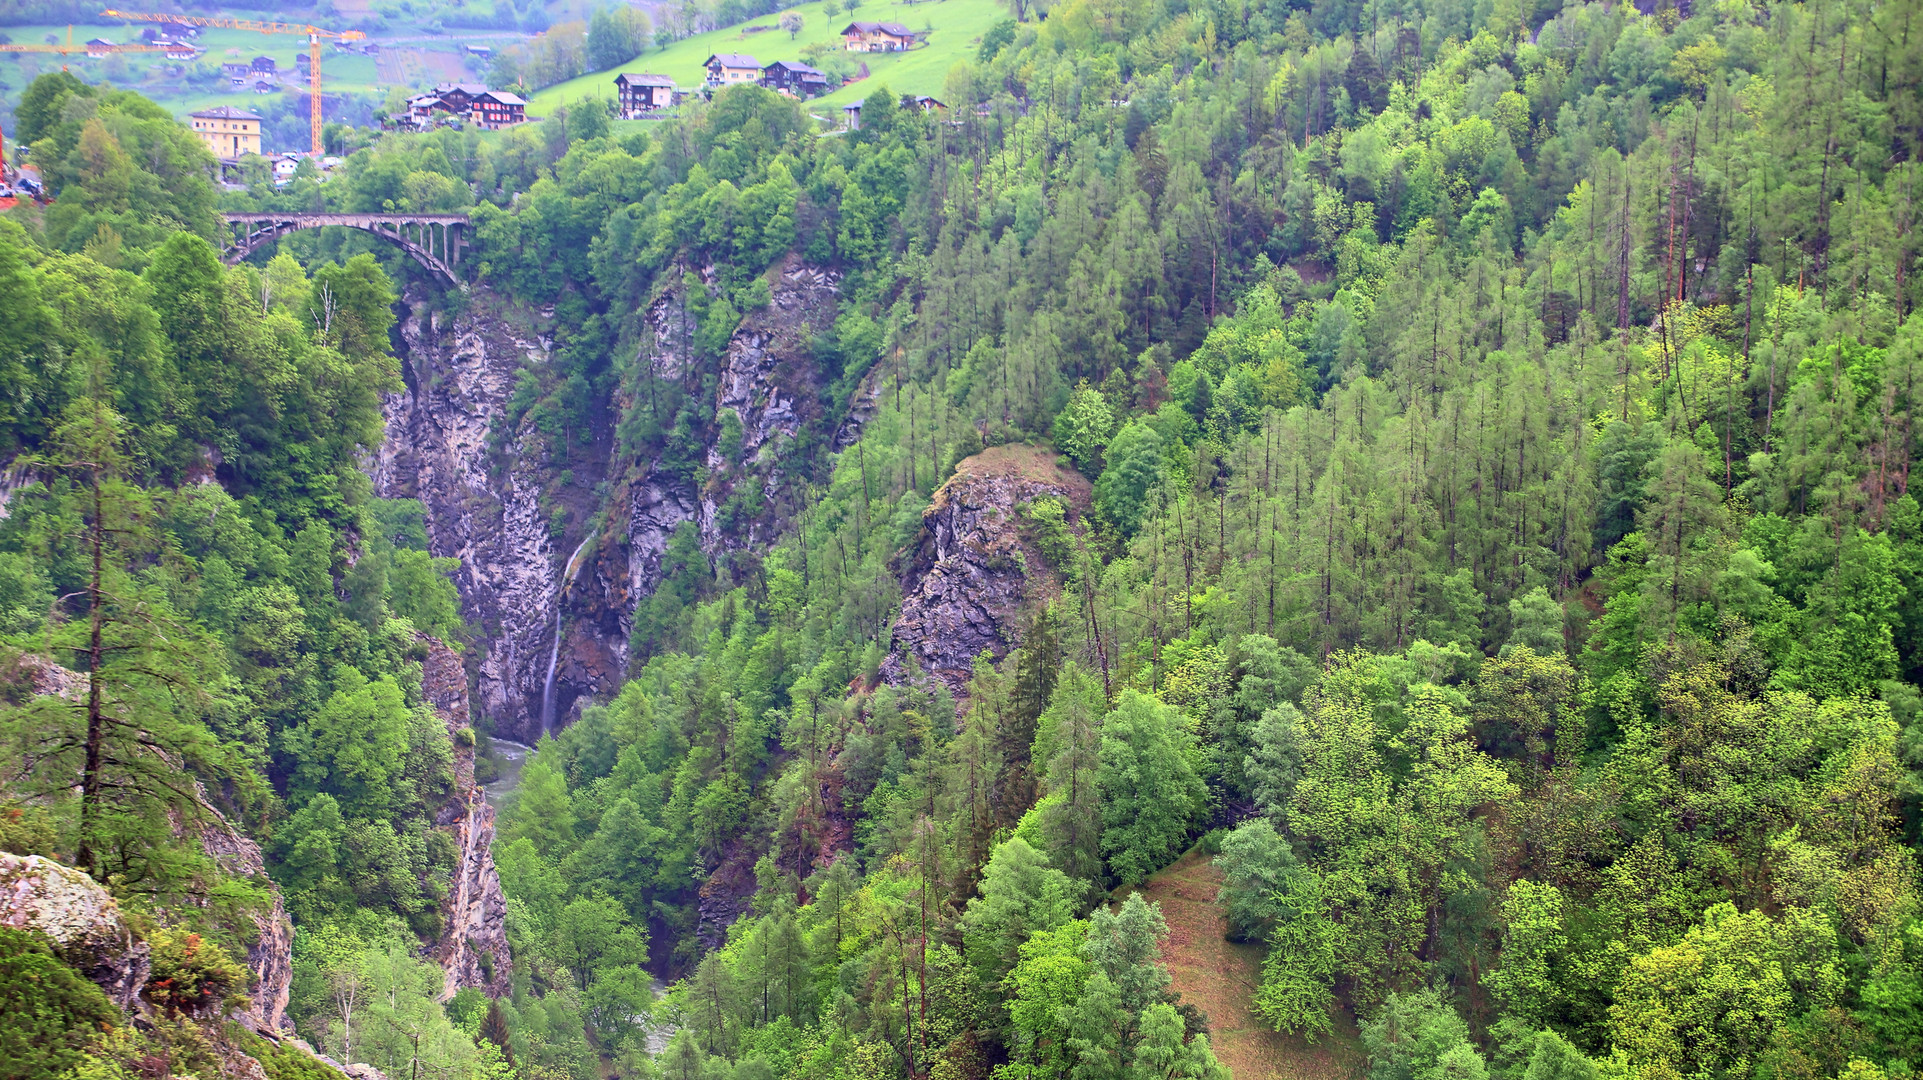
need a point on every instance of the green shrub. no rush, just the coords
(48, 1011)
(1048, 525)
(191, 974)
(285, 1062)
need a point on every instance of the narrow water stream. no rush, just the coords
(512, 758)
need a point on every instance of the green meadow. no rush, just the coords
(953, 30)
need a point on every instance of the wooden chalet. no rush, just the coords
(794, 79)
(877, 37)
(640, 94)
(492, 109)
(457, 97)
(727, 69)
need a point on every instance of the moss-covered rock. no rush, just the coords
(78, 918)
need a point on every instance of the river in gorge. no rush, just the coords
(510, 758)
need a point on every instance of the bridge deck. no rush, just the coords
(355, 221)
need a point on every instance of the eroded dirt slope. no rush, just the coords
(1220, 978)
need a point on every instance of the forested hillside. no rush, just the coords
(1448, 463)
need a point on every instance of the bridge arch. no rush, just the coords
(434, 240)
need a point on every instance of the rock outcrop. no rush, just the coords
(271, 955)
(968, 582)
(473, 948)
(80, 918)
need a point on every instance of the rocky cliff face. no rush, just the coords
(774, 389)
(969, 582)
(484, 502)
(459, 375)
(473, 948)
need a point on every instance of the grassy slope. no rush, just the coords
(957, 27)
(1221, 977)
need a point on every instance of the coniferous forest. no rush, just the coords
(1432, 473)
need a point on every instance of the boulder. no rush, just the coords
(80, 918)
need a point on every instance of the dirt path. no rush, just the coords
(1220, 978)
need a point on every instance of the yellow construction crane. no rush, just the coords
(315, 35)
(70, 48)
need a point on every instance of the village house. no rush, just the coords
(457, 97)
(877, 37)
(422, 107)
(227, 131)
(236, 74)
(851, 116)
(926, 104)
(492, 109)
(178, 50)
(469, 101)
(285, 166)
(794, 79)
(264, 65)
(100, 47)
(639, 93)
(727, 69)
(262, 86)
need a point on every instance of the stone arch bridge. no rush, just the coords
(434, 240)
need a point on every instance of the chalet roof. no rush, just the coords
(105, 42)
(502, 96)
(470, 89)
(796, 67)
(642, 79)
(732, 60)
(224, 112)
(893, 28)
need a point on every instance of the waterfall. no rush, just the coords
(554, 654)
(547, 688)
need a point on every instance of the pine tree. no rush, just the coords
(132, 743)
